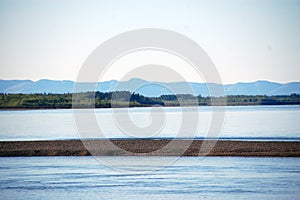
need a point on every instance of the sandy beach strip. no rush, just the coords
(149, 147)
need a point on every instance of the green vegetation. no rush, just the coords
(125, 99)
(79, 100)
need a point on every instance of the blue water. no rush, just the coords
(187, 178)
(151, 177)
(241, 122)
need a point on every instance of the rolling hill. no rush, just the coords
(150, 89)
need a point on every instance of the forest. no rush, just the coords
(127, 99)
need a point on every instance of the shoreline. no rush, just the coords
(150, 147)
(78, 108)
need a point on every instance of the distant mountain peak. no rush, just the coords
(148, 88)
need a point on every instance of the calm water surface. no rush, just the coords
(257, 122)
(147, 177)
(188, 178)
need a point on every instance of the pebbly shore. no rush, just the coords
(149, 147)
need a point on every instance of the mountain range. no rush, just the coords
(147, 88)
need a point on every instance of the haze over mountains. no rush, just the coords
(146, 88)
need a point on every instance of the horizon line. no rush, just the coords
(253, 81)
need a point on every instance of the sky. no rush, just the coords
(247, 40)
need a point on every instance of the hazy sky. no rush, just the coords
(247, 40)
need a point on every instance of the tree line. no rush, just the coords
(127, 99)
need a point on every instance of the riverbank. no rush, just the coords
(120, 99)
(159, 147)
